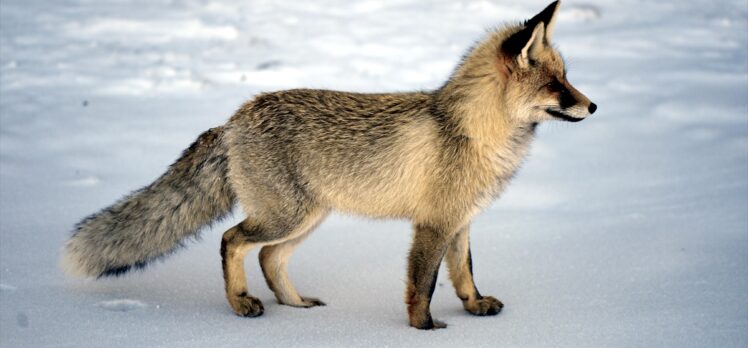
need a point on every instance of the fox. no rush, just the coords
(289, 158)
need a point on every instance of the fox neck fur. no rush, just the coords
(475, 101)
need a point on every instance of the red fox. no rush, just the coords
(291, 157)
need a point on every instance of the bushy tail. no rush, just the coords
(155, 220)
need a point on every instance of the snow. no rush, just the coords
(123, 305)
(627, 229)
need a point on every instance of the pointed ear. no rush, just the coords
(515, 45)
(532, 47)
(547, 17)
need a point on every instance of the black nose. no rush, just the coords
(592, 108)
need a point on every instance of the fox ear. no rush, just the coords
(522, 44)
(532, 47)
(547, 17)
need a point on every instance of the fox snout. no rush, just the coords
(576, 99)
(573, 106)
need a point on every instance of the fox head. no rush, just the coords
(534, 76)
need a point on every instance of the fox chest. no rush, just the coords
(493, 169)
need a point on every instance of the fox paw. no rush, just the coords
(430, 324)
(247, 306)
(306, 302)
(312, 302)
(487, 305)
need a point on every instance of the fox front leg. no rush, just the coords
(429, 246)
(460, 265)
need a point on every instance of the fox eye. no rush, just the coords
(554, 86)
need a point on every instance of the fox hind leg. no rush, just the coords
(460, 266)
(274, 264)
(238, 240)
(235, 244)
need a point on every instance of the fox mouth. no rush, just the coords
(562, 115)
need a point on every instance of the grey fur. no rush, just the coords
(155, 220)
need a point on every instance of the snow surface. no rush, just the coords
(627, 229)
